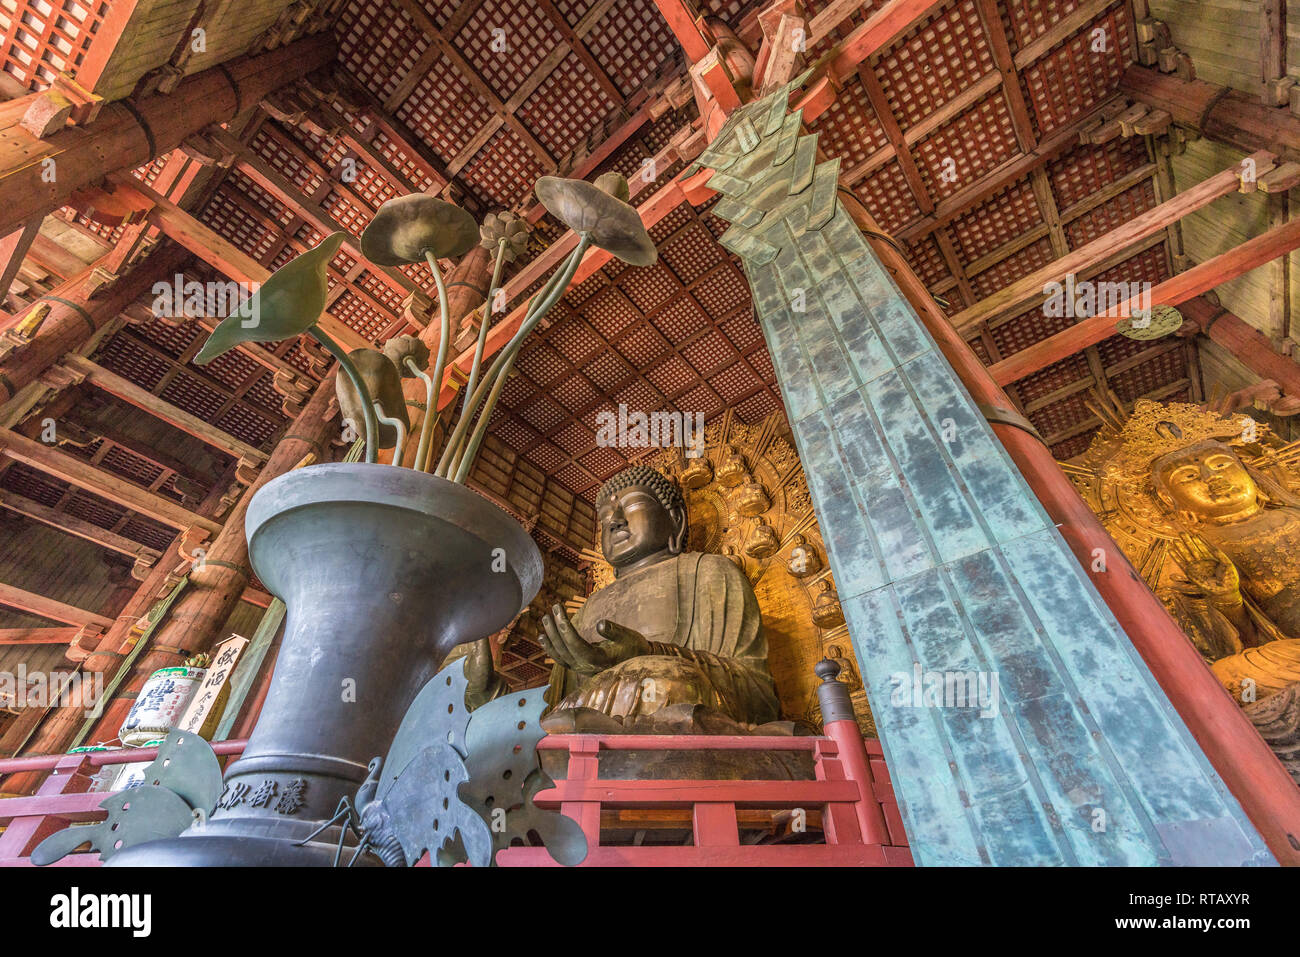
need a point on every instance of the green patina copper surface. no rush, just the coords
(947, 565)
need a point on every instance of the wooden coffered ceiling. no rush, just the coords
(965, 137)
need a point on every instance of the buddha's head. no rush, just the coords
(642, 518)
(1206, 481)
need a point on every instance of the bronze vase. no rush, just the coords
(383, 571)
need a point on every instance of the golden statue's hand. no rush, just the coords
(1208, 570)
(566, 647)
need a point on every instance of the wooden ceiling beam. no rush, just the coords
(1066, 26)
(117, 136)
(31, 603)
(39, 636)
(1020, 293)
(69, 468)
(1008, 172)
(181, 227)
(1222, 114)
(1201, 278)
(72, 525)
(160, 409)
(448, 49)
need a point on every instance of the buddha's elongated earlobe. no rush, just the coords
(677, 542)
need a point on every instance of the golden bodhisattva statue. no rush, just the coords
(674, 643)
(1205, 506)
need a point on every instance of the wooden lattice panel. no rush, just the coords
(1030, 19)
(398, 156)
(1111, 214)
(935, 62)
(39, 40)
(1061, 415)
(888, 197)
(505, 41)
(1056, 376)
(358, 314)
(229, 219)
(1008, 214)
(565, 103)
(1072, 78)
(1086, 169)
(378, 44)
(849, 128)
(444, 110)
(927, 261)
(1147, 377)
(1019, 264)
(976, 142)
(505, 169)
(630, 42)
(1026, 329)
(1062, 451)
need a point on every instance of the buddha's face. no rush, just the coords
(634, 525)
(1208, 481)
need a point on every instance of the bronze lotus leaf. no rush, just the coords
(400, 348)
(287, 304)
(407, 226)
(588, 208)
(385, 386)
(499, 226)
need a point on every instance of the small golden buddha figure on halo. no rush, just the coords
(731, 470)
(675, 632)
(697, 473)
(762, 540)
(804, 560)
(826, 611)
(750, 498)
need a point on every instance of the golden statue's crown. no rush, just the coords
(1158, 428)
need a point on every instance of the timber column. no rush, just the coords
(194, 622)
(947, 566)
(131, 135)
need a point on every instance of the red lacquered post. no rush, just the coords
(841, 726)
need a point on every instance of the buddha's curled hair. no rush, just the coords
(664, 488)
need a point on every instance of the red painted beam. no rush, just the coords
(1201, 278)
(880, 30)
(688, 26)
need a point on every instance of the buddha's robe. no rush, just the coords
(702, 620)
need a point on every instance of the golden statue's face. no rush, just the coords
(1210, 482)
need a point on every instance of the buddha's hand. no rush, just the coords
(563, 643)
(1208, 570)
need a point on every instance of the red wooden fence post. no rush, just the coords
(841, 726)
(23, 833)
(584, 766)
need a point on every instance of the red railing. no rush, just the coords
(860, 818)
(859, 815)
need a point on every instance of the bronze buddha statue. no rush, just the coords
(674, 644)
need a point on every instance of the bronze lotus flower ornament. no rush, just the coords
(506, 232)
(410, 228)
(384, 385)
(400, 348)
(286, 305)
(600, 211)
